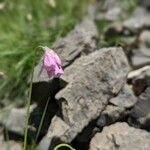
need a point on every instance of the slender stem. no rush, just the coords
(7, 139)
(63, 145)
(42, 119)
(28, 109)
(28, 103)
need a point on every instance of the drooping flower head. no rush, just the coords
(52, 63)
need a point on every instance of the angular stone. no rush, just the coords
(112, 10)
(125, 99)
(11, 145)
(92, 81)
(139, 20)
(80, 41)
(117, 107)
(144, 38)
(139, 79)
(114, 14)
(139, 73)
(140, 114)
(140, 57)
(110, 115)
(108, 4)
(57, 129)
(15, 121)
(121, 136)
(96, 72)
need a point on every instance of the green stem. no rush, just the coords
(28, 109)
(28, 103)
(42, 119)
(63, 145)
(7, 139)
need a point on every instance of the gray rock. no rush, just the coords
(125, 99)
(120, 136)
(144, 38)
(144, 3)
(140, 113)
(15, 121)
(11, 145)
(57, 129)
(141, 54)
(80, 41)
(108, 4)
(110, 115)
(114, 14)
(145, 51)
(139, 73)
(92, 81)
(117, 107)
(139, 20)
(139, 79)
(140, 57)
(112, 10)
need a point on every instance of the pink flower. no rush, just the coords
(52, 63)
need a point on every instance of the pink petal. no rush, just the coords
(58, 71)
(48, 60)
(52, 63)
(56, 57)
(53, 54)
(49, 64)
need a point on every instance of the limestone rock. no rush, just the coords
(15, 121)
(121, 136)
(139, 79)
(125, 99)
(144, 38)
(112, 10)
(11, 145)
(139, 20)
(110, 115)
(80, 41)
(141, 55)
(140, 113)
(57, 129)
(117, 107)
